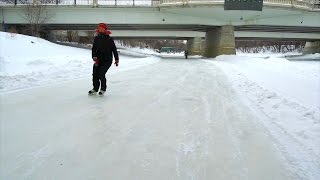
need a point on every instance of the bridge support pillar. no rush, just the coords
(2, 27)
(95, 3)
(194, 46)
(220, 41)
(312, 47)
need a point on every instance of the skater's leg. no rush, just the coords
(102, 76)
(95, 78)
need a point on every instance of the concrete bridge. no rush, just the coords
(188, 19)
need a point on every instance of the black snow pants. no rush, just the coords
(99, 75)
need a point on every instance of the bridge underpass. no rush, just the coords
(196, 40)
(278, 20)
(186, 35)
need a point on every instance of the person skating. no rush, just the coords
(186, 54)
(102, 51)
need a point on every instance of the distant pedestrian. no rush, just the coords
(102, 51)
(186, 54)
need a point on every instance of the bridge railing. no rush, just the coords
(303, 4)
(82, 2)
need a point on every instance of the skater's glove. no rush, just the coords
(116, 62)
(96, 61)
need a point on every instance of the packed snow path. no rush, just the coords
(176, 119)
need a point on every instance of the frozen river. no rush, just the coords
(174, 119)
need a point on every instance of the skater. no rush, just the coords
(102, 50)
(186, 54)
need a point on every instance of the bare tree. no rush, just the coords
(90, 35)
(8, 1)
(50, 1)
(280, 46)
(36, 16)
(72, 36)
(16, 1)
(154, 43)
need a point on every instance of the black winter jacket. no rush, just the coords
(103, 48)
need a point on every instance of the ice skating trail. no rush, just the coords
(175, 119)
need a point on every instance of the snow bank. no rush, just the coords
(299, 80)
(22, 54)
(26, 62)
(132, 53)
(286, 97)
(144, 51)
(289, 55)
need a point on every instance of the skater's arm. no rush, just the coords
(114, 51)
(94, 48)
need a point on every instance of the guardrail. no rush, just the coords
(303, 4)
(94, 3)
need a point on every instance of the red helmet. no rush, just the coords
(104, 25)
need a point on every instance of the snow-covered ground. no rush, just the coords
(286, 96)
(27, 62)
(248, 116)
